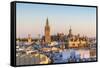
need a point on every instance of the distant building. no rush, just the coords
(47, 32)
(29, 38)
(75, 41)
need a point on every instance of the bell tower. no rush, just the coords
(47, 32)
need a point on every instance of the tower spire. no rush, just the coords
(70, 32)
(47, 23)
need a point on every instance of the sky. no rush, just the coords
(31, 19)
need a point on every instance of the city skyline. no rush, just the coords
(31, 19)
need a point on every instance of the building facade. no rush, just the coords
(75, 41)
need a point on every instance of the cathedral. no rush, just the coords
(47, 32)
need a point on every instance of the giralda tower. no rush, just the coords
(47, 32)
